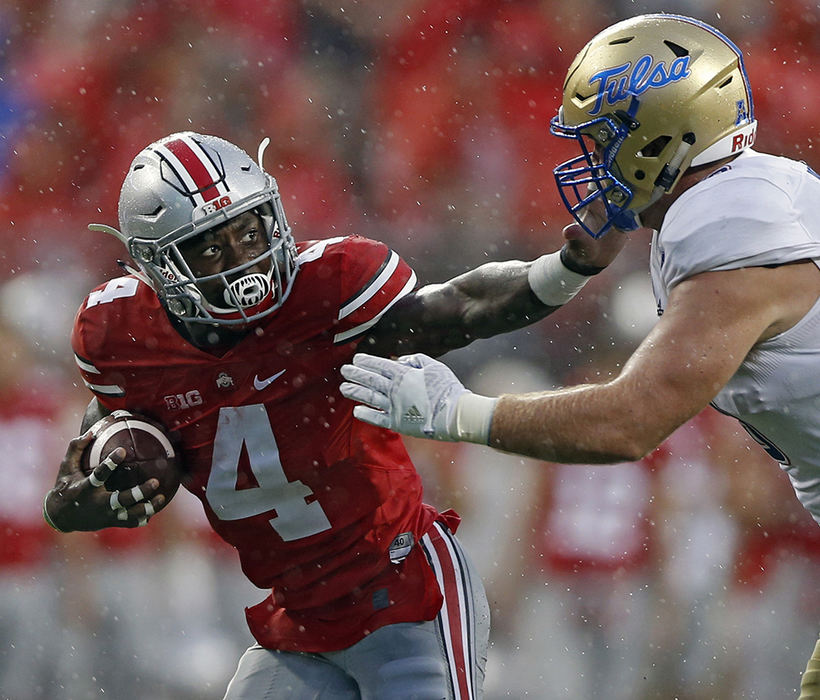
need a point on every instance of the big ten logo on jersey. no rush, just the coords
(215, 205)
(179, 402)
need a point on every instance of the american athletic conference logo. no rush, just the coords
(618, 83)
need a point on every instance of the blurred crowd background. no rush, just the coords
(692, 574)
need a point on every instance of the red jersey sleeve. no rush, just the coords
(88, 337)
(373, 278)
(105, 342)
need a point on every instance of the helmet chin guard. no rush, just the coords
(645, 100)
(184, 185)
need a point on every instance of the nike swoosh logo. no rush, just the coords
(260, 384)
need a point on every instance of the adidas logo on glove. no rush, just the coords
(413, 415)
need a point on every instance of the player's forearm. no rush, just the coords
(577, 425)
(503, 297)
(93, 413)
(492, 299)
(497, 298)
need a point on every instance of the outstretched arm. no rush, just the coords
(491, 299)
(711, 323)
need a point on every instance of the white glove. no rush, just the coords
(416, 396)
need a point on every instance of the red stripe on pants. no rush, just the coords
(453, 616)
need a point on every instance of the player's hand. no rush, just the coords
(415, 395)
(586, 251)
(80, 502)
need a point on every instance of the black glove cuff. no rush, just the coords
(578, 268)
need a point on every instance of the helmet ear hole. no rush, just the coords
(655, 147)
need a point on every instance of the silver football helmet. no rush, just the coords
(183, 185)
(646, 99)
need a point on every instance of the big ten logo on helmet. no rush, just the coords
(178, 402)
(215, 205)
(618, 83)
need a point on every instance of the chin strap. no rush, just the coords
(139, 274)
(671, 170)
(666, 179)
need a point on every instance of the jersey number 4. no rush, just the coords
(249, 427)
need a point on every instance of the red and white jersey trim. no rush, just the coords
(362, 327)
(368, 292)
(191, 164)
(85, 365)
(88, 368)
(361, 307)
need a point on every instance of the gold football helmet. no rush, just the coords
(646, 99)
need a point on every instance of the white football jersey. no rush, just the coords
(758, 210)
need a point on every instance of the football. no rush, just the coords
(149, 452)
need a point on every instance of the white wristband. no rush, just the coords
(552, 282)
(473, 417)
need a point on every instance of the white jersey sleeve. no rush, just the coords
(758, 210)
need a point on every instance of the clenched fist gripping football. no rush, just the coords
(418, 396)
(121, 472)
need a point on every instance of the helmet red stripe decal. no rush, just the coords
(192, 162)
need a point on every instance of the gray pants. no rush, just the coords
(442, 659)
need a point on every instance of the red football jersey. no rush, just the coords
(310, 498)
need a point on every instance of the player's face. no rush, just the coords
(221, 248)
